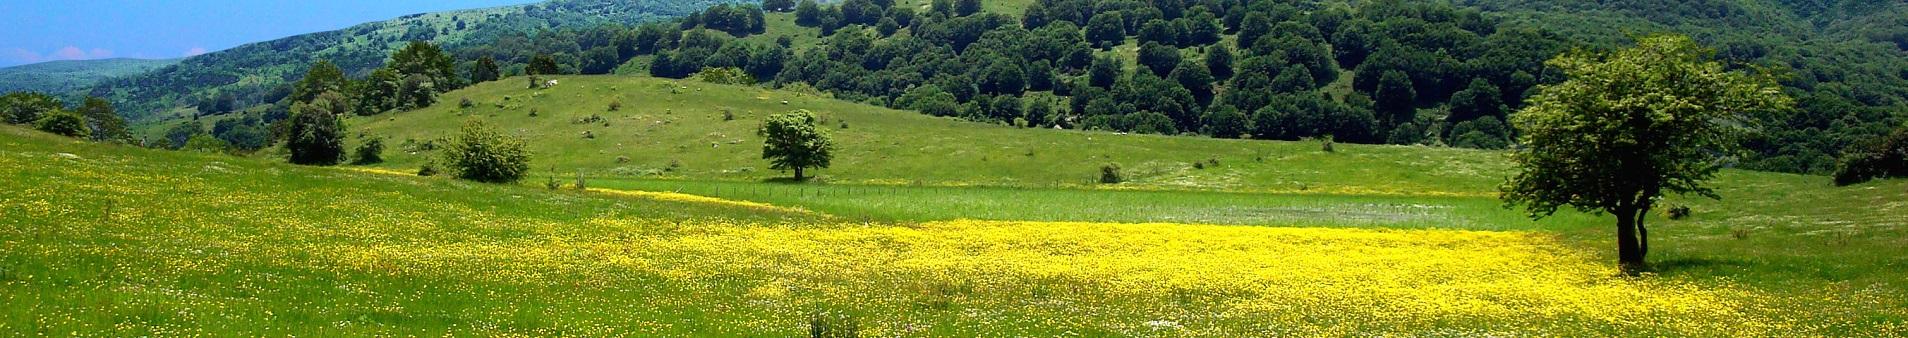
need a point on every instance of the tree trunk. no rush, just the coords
(1629, 247)
(1643, 232)
(798, 173)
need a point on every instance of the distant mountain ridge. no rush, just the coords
(261, 72)
(67, 77)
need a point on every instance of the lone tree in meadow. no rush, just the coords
(793, 143)
(316, 133)
(1629, 126)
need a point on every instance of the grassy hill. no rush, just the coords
(67, 77)
(125, 241)
(907, 167)
(676, 129)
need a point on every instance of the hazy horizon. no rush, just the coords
(40, 31)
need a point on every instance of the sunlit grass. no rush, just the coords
(125, 242)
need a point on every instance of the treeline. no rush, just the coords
(1845, 61)
(94, 118)
(1417, 73)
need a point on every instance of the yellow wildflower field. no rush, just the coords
(168, 246)
(1136, 279)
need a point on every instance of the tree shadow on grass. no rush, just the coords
(789, 180)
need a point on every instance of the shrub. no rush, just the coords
(484, 154)
(725, 75)
(64, 123)
(615, 105)
(205, 143)
(371, 151)
(465, 103)
(1678, 212)
(1878, 159)
(428, 169)
(1110, 174)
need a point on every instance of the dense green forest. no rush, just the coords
(1367, 72)
(262, 73)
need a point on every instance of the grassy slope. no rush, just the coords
(919, 163)
(122, 241)
(666, 121)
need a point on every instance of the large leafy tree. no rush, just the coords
(316, 135)
(793, 143)
(104, 121)
(323, 77)
(424, 58)
(485, 70)
(27, 107)
(1628, 127)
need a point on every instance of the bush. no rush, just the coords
(1678, 212)
(205, 143)
(429, 169)
(371, 151)
(615, 105)
(1878, 159)
(64, 123)
(484, 154)
(1110, 174)
(316, 136)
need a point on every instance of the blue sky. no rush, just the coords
(34, 31)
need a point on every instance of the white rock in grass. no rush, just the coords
(67, 156)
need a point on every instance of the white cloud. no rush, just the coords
(22, 55)
(195, 51)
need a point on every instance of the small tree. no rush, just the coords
(484, 154)
(205, 143)
(104, 121)
(1627, 127)
(1110, 174)
(371, 151)
(793, 143)
(316, 135)
(64, 123)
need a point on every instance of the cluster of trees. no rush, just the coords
(1419, 73)
(415, 75)
(94, 119)
(1842, 62)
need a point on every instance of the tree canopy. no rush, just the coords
(792, 142)
(1628, 127)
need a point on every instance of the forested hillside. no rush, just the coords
(261, 73)
(1843, 60)
(1399, 72)
(72, 76)
(1377, 72)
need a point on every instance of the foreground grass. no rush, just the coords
(123, 242)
